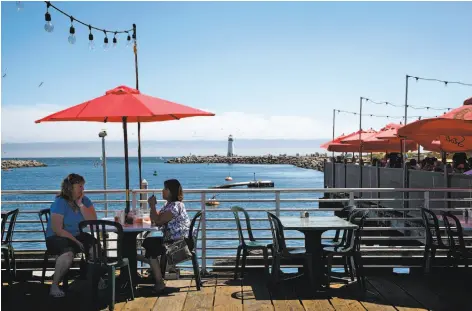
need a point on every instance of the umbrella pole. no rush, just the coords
(125, 138)
(135, 48)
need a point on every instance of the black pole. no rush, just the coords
(360, 145)
(125, 138)
(135, 49)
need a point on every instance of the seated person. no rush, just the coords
(175, 224)
(63, 237)
(413, 164)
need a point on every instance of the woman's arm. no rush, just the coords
(160, 218)
(86, 208)
(56, 224)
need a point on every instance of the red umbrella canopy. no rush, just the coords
(124, 101)
(390, 131)
(336, 140)
(364, 135)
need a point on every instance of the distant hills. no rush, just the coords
(162, 148)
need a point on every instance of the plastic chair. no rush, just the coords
(456, 239)
(434, 240)
(99, 260)
(191, 241)
(281, 251)
(246, 246)
(350, 250)
(8, 252)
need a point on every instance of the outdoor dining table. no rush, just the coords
(130, 234)
(313, 228)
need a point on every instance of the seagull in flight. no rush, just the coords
(4, 73)
(40, 84)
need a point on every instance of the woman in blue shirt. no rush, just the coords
(63, 237)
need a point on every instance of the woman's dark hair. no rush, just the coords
(175, 189)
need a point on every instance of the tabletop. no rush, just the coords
(135, 227)
(315, 223)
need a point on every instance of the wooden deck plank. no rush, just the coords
(255, 294)
(395, 295)
(140, 303)
(422, 292)
(375, 301)
(176, 300)
(311, 303)
(284, 296)
(202, 299)
(228, 294)
(344, 297)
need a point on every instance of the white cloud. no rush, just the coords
(18, 126)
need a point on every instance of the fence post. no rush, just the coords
(143, 196)
(351, 199)
(333, 167)
(203, 223)
(426, 199)
(277, 203)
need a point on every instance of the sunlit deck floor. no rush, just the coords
(220, 292)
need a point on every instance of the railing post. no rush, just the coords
(143, 196)
(351, 199)
(203, 224)
(277, 203)
(133, 203)
(426, 199)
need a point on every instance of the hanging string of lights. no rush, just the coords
(49, 27)
(437, 80)
(378, 116)
(411, 106)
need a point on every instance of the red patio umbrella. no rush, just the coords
(453, 129)
(124, 104)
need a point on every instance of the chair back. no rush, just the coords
(277, 233)
(454, 231)
(44, 215)
(193, 233)
(349, 209)
(431, 224)
(236, 210)
(96, 228)
(11, 218)
(352, 238)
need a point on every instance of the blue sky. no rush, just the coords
(268, 70)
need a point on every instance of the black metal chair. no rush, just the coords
(455, 235)
(191, 241)
(338, 239)
(350, 250)
(44, 216)
(8, 252)
(434, 241)
(247, 246)
(280, 251)
(99, 260)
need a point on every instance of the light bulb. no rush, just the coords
(115, 42)
(105, 44)
(128, 41)
(19, 5)
(72, 39)
(49, 27)
(91, 45)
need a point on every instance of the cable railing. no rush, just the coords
(218, 237)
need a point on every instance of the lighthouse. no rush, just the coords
(230, 146)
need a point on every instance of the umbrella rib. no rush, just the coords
(173, 116)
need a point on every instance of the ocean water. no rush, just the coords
(192, 176)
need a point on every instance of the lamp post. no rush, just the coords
(102, 135)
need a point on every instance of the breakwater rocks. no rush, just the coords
(314, 162)
(9, 164)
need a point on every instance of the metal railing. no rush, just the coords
(222, 239)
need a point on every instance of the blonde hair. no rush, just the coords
(67, 187)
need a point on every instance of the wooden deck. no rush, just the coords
(220, 292)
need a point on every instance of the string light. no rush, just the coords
(91, 43)
(19, 5)
(376, 116)
(49, 27)
(128, 39)
(105, 41)
(411, 106)
(441, 81)
(71, 38)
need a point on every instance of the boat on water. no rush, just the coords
(229, 178)
(212, 201)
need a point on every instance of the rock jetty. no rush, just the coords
(314, 161)
(8, 164)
